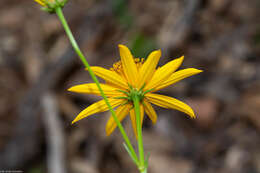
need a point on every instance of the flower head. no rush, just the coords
(51, 5)
(134, 76)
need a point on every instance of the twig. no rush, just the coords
(174, 31)
(54, 135)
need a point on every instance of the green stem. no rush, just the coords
(144, 170)
(93, 76)
(142, 166)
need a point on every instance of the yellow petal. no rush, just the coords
(121, 113)
(133, 118)
(164, 72)
(129, 65)
(110, 77)
(40, 2)
(177, 76)
(149, 110)
(147, 70)
(92, 88)
(169, 103)
(97, 107)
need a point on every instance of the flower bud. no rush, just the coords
(51, 5)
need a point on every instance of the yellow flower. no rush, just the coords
(135, 76)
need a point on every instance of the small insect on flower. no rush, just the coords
(133, 76)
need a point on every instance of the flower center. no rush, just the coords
(118, 67)
(132, 92)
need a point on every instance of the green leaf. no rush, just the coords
(146, 160)
(131, 154)
(142, 44)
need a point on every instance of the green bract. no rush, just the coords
(51, 5)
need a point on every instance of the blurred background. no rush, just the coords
(37, 65)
